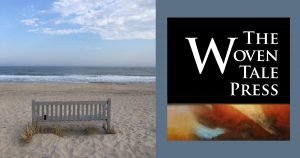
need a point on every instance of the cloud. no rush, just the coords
(51, 31)
(30, 22)
(111, 19)
(42, 11)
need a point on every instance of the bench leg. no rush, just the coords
(107, 125)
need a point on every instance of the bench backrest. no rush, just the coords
(70, 111)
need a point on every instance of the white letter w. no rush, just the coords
(212, 47)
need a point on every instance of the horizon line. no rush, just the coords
(73, 66)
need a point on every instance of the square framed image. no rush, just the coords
(233, 67)
(78, 78)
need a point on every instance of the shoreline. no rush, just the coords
(128, 83)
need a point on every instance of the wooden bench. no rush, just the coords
(71, 111)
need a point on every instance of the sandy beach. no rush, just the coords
(133, 115)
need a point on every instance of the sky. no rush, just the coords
(77, 33)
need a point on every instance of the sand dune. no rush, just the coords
(133, 115)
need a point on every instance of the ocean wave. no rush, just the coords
(78, 79)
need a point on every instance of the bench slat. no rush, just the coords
(68, 111)
(86, 112)
(82, 112)
(73, 116)
(106, 107)
(105, 111)
(70, 114)
(60, 112)
(91, 111)
(51, 109)
(100, 112)
(38, 112)
(56, 112)
(65, 112)
(43, 110)
(78, 112)
(95, 112)
(46, 112)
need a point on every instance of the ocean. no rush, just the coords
(46, 74)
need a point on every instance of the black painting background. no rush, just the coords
(186, 85)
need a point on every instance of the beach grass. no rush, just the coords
(29, 132)
(57, 130)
